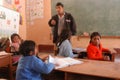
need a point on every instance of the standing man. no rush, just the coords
(61, 21)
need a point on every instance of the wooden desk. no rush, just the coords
(117, 50)
(117, 55)
(104, 69)
(83, 52)
(5, 60)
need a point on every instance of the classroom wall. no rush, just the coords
(21, 9)
(39, 31)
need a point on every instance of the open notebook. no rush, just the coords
(63, 62)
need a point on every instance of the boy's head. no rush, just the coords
(27, 48)
(95, 38)
(60, 8)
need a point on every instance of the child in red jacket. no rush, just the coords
(95, 49)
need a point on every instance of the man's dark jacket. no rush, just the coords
(69, 23)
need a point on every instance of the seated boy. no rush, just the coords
(31, 67)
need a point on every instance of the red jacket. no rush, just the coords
(95, 53)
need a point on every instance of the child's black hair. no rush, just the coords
(26, 47)
(65, 34)
(95, 34)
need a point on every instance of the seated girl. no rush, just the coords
(16, 41)
(64, 45)
(15, 44)
(95, 49)
(31, 67)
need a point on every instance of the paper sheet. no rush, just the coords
(3, 53)
(63, 62)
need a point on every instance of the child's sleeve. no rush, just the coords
(105, 50)
(41, 67)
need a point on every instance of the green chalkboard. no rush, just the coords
(102, 16)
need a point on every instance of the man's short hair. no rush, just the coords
(59, 4)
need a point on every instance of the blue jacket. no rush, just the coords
(65, 49)
(31, 68)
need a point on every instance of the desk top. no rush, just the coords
(95, 68)
(105, 69)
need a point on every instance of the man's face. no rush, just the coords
(59, 9)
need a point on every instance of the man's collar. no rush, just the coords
(62, 15)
